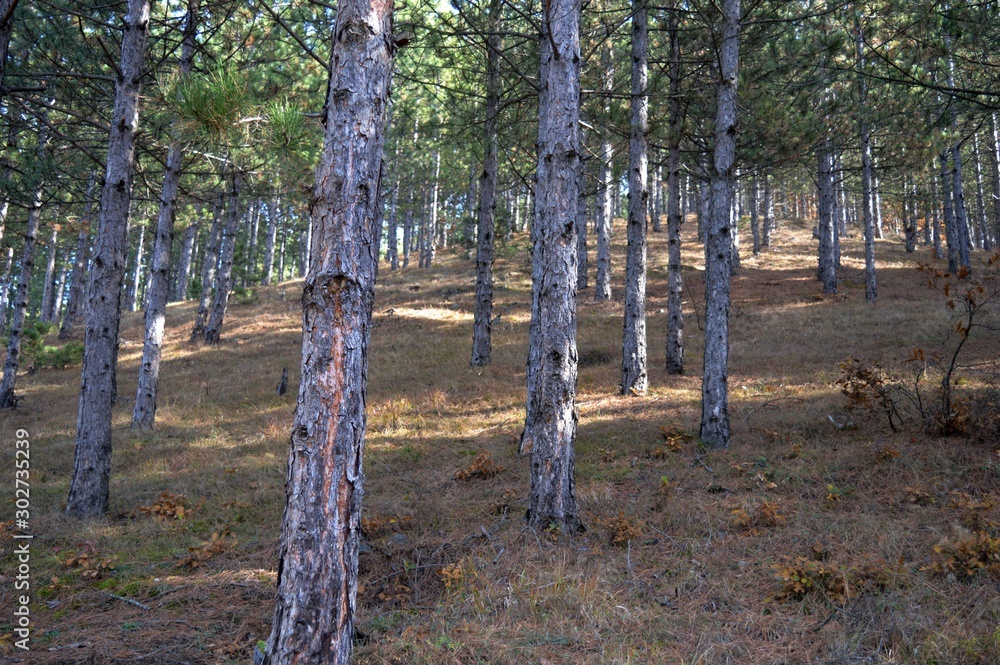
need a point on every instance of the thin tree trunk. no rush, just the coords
(5, 290)
(392, 239)
(550, 419)
(185, 260)
(49, 291)
(13, 359)
(144, 413)
(227, 252)
(715, 380)
(88, 494)
(950, 227)
(321, 528)
(768, 213)
(827, 269)
(602, 288)
(581, 230)
(408, 230)
(675, 280)
(60, 288)
(754, 215)
(482, 347)
(273, 210)
(78, 279)
(871, 285)
(936, 209)
(132, 298)
(994, 148)
(635, 379)
(210, 263)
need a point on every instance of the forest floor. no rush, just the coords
(819, 536)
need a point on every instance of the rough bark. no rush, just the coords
(550, 418)
(321, 528)
(715, 379)
(675, 280)
(210, 262)
(144, 412)
(227, 252)
(12, 362)
(482, 347)
(827, 269)
(635, 379)
(88, 494)
(602, 288)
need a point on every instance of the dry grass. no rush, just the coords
(688, 553)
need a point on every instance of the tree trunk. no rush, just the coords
(715, 380)
(754, 215)
(408, 230)
(81, 259)
(675, 280)
(5, 289)
(7, 8)
(936, 211)
(185, 260)
(60, 288)
(550, 418)
(210, 262)
(768, 213)
(13, 359)
(132, 296)
(392, 236)
(994, 147)
(482, 347)
(317, 578)
(602, 288)
(871, 286)
(88, 494)
(273, 211)
(49, 290)
(224, 276)
(581, 229)
(909, 208)
(635, 379)
(827, 270)
(144, 413)
(950, 228)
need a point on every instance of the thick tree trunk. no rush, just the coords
(827, 269)
(49, 288)
(675, 280)
(227, 252)
(715, 380)
(88, 494)
(321, 528)
(550, 418)
(13, 359)
(81, 259)
(482, 347)
(602, 288)
(210, 262)
(144, 413)
(635, 379)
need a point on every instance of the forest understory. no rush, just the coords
(820, 536)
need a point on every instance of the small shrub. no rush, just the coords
(967, 557)
(482, 467)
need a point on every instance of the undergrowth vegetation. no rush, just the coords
(854, 519)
